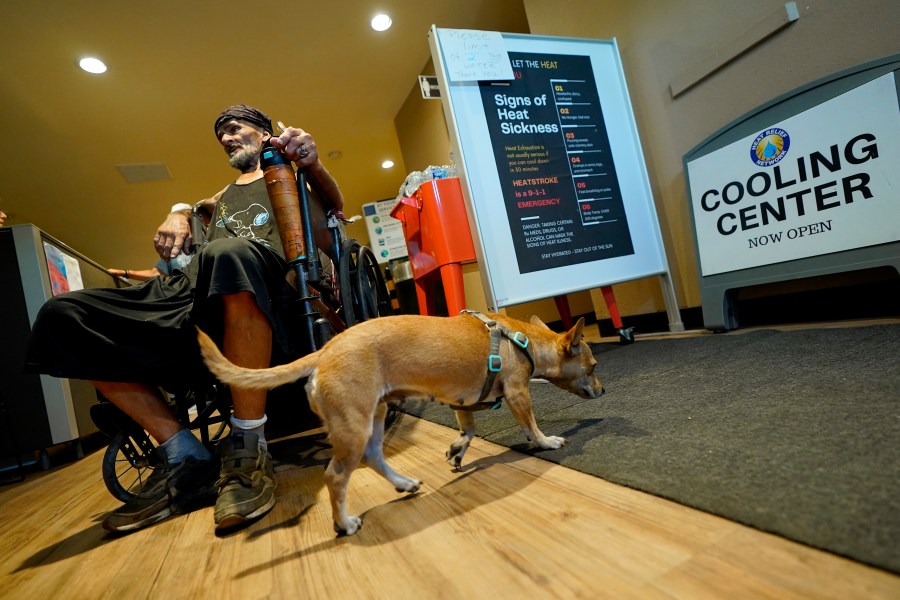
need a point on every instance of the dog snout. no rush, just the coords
(592, 393)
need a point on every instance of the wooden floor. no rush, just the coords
(507, 526)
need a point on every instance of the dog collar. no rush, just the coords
(495, 361)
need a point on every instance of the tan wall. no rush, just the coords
(659, 40)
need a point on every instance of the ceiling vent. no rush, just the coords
(140, 172)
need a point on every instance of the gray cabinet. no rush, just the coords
(41, 411)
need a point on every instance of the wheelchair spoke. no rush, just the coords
(131, 473)
(363, 291)
(127, 463)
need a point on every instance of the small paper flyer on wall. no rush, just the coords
(385, 232)
(65, 272)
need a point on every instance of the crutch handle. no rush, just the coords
(282, 189)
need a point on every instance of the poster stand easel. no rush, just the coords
(553, 175)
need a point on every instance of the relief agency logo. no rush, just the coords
(770, 147)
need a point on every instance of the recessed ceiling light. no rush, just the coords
(92, 65)
(381, 22)
(387, 164)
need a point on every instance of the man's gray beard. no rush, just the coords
(244, 159)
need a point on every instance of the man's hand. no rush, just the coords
(300, 147)
(173, 235)
(297, 145)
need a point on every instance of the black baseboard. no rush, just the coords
(658, 322)
(871, 300)
(647, 323)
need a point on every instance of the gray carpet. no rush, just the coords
(795, 433)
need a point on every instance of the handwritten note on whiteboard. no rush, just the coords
(475, 55)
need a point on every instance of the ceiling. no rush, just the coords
(173, 66)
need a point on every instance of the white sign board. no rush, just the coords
(385, 232)
(824, 180)
(554, 178)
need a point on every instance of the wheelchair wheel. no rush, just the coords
(128, 462)
(364, 294)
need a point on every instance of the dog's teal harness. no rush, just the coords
(495, 361)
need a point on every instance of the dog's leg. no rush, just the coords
(466, 421)
(337, 478)
(348, 434)
(520, 406)
(374, 455)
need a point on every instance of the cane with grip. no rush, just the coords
(282, 189)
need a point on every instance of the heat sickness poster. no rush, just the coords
(555, 163)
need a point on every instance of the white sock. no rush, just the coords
(256, 426)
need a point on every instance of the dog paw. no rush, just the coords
(455, 460)
(410, 486)
(554, 442)
(351, 525)
(455, 454)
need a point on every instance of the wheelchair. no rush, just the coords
(339, 284)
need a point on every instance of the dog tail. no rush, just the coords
(242, 377)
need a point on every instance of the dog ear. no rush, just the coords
(572, 338)
(535, 320)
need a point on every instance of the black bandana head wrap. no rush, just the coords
(242, 112)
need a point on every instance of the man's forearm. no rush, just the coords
(325, 185)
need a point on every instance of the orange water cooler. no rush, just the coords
(438, 240)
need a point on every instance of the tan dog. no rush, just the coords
(417, 357)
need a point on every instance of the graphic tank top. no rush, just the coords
(244, 211)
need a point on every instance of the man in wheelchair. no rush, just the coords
(129, 341)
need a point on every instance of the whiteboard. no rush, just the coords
(551, 167)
